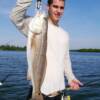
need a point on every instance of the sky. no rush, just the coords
(81, 20)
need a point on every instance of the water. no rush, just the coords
(86, 66)
(13, 68)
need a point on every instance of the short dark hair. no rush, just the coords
(51, 1)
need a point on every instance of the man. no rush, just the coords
(58, 60)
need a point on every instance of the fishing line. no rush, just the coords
(91, 83)
(4, 79)
(87, 84)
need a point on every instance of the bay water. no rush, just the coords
(13, 70)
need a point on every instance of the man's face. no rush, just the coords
(56, 10)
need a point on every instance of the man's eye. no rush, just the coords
(61, 7)
(55, 6)
(58, 7)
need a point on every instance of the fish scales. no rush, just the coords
(36, 46)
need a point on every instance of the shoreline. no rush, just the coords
(18, 48)
(87, 50)
(12, 48)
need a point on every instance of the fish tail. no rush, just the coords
(38, 96)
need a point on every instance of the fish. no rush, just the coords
(36, 54)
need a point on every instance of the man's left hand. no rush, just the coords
(75, 84)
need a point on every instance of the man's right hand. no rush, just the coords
(36, 24)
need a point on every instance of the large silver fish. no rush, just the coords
(36, 54)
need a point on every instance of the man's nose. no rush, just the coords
(60, 9)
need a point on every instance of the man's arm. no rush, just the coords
(18, 15)
(73, 82)
(68, 69)
(67, 64)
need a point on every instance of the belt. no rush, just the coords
(54, 94)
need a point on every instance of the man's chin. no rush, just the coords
(57, 19)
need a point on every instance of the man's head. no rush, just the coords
(55, 10)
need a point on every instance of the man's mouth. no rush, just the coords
(58, 15)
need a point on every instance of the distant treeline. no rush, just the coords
(17, 48)
(88, 50)
(11, 47)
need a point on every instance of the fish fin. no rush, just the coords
(37, 97)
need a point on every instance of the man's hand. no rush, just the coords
(36, 23)
(75, 84)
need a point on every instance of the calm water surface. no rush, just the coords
(13, 68)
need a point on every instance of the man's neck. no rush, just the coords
(51, 21)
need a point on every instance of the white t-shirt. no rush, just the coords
(58, 60)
